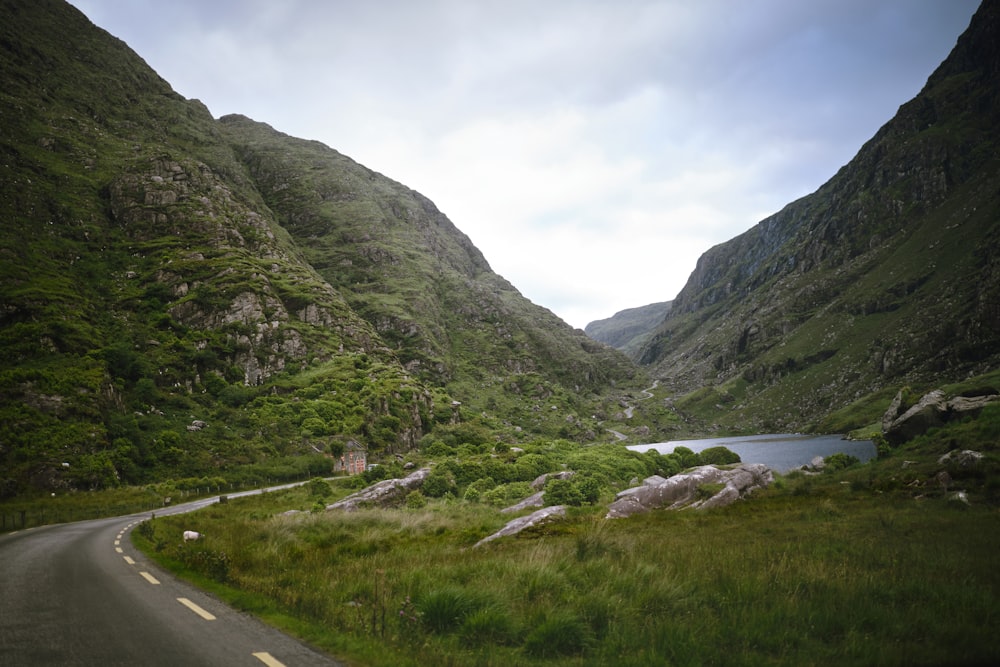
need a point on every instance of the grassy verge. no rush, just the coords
(837, 569)
(40, 510)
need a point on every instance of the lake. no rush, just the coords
(780, 452)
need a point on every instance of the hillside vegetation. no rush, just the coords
(184, 296)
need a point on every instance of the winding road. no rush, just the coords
(80, 594)
(630, 409)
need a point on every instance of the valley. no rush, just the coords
(196, 308)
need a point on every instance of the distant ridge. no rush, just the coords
(628, 330)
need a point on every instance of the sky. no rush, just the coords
(591, 149)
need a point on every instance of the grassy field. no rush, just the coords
(873, 565)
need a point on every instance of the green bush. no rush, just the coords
(839, 461)
(589, 488)
(562, 492)
(319, 487)
(474, 492)
(506, 494)
(439, 483)
(686, 456)
(718, 456)
(415, 500)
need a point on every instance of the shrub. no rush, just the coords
(687, 457)
(439, 483)
(475, 490)
(415, 500)
(562, 492)
(839, 461)
(319, 487)
(505, 494)
(589, 488)
(718, 456)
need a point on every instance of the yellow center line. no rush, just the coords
(129, 560)
(148, 577)
(196, 609)
(268, 659)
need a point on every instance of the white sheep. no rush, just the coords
(191, 535)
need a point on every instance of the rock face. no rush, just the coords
(933, 409)
(681, 491)
(541, 517)
(384, 493)
(534, 500)
(840, 261)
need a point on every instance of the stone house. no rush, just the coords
(353, 461)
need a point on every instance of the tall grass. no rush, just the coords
(43, 509)
(836, 575)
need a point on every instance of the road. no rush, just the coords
(80, 594)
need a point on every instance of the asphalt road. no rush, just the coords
(80, 594)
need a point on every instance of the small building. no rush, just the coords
(353, 461)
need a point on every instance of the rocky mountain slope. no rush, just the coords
(629, 329)
(181, 295)
(888, 274)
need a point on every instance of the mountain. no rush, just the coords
(628, 329)
(887, 275)
(183, 295)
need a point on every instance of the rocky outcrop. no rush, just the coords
(534, 500)
(932, 410)
(539, 482)
(833, 272)
(539, 518)
(382, 494)
(682, 490)
(965, 458)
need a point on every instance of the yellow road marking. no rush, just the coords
(148, 577)
(129, 560)
(268, 659)
(196, 609)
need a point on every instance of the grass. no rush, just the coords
(838, 569)
(40, 510)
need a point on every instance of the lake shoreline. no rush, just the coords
(781, 452)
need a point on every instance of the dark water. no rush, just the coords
(780, 452)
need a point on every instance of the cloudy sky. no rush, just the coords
(592, 149)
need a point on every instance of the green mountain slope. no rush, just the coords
(181, 295)
(888, 274)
